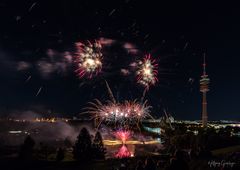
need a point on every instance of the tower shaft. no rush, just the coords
(204, 83)
(204, 109)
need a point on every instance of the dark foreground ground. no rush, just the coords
(219, 159)
(214, 163)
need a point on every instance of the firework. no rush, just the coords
(127, 113)
(123, 135)
(39, 91)
(123, 152)
(88, 59)
(147, 71)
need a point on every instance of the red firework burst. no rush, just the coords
(123, 135)
(123, 152)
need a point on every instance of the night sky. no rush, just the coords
(36, 37)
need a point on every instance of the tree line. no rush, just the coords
(85, 149)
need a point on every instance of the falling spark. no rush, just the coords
(191, 80)
(39, 90)
(112, 12)
(18, 18)
(144, 94)
(146, 36)
(186, 45)
(29, 10)
(29, 77)
(110, 92)
(133, 25)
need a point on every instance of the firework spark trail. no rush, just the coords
(29, 77)
(185, 46)
(168, 119)
(112, 12)
(29, 10)
(110, 92)
(39, 91)
(88, 59)
(146, 36)
(144, 94)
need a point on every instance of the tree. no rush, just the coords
(45, 150)
(60, 154)
(26, 150)
(98, 148)
(67, 142)
(82, 150)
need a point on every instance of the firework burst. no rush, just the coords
(88, 59)
(123, 152)
(123, 135)
(147, 71)
(126, 113)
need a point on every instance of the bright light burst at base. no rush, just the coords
(88, 59)
(147, 71)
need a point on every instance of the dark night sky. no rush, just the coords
(176, 33)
